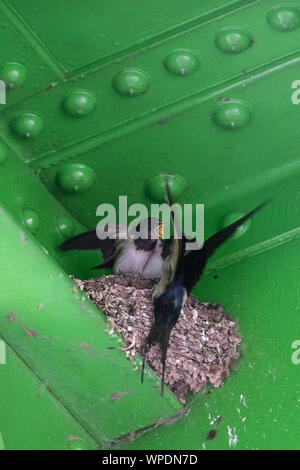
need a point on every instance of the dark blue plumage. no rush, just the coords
(180, 273)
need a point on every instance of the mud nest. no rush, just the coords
(203, 344)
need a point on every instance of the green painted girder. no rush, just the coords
(58, 333)
(168, 94)
(138, 142)
(222, 116)
(62, 337)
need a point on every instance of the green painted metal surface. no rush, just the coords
(31, 417)
(100, 97)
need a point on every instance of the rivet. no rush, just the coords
(182, 62)
(131, 82)
(13, 74)
(76, 443)
(233, 40)
(232, 114)
(75, 178)
(155, 186)
(31, 219)
(79, 103)
(66, 226)
(3, 154)
(233, 217)
(284, 18)
(27, 125)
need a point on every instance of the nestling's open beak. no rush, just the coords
(160, 231)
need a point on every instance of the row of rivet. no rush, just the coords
(229, 114)
(76, 178)
(31, 218)
(231, 40)
(65, 225)
(134, 82)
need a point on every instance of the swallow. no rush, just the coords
(181, 271)
(124, 251)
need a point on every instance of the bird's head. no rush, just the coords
(150, 228)
(147, 232)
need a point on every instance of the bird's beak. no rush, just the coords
(160, 231)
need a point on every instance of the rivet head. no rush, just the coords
(31, 219)
(233, 40)
(75, 178)
(131, 82)
(13, 74)
(182, 62)
(3, 154)
(284, 18)
(232, 114)
(27, 125)
(76, 443)
(155, 186)
(66, 226)
(79, 103)
(233, 217)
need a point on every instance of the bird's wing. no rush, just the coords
(194, 261)
(91, 241)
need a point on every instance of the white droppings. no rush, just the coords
(212, 419)
(243, 400)
(195, 314)
(239, 413)
(232, 436)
